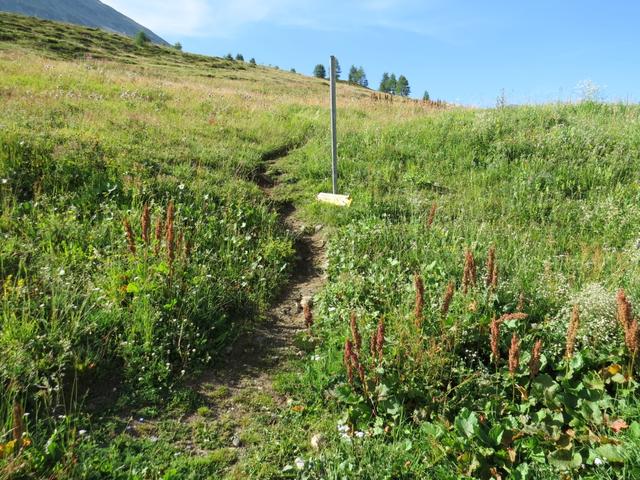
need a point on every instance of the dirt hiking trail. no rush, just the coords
(242, 381)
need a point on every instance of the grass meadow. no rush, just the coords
(477, 320)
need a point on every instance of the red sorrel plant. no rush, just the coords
(145, 222)
(628, 323)
(572, 332)
(491, 280)
(494, 340)
(308, 315)
(355, 333)
(432, 214)
(534, 363)
(446, 301)
(348, 352)
(131, 242)
(159, 230)
(380, 340)
(469, 274)
(514, 355)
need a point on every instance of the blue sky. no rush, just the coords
(462, 51)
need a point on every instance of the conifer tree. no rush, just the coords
(392, 84)
(384, 83)
(353, 75)
(362, 78)
(319, 71)
(402, 86)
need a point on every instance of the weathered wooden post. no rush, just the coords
(334, 198)
(334, 133)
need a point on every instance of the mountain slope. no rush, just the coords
(91, 13)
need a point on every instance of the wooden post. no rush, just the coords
(334, 136)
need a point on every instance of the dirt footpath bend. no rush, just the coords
(241, 385)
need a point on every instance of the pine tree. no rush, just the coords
(362, 78)
(384, 83)
(239, 57)
(252, 61)
(228, 56)
(177, 46)
(426, 96)
(402, 86)
(354, 75)
(392, 84)
(141, 38)
(338, 70)
(319, 71)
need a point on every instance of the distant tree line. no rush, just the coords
(239, 58)
(395, 86)
(357, 76)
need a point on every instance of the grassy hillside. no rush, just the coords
(102, 319)
(90, 13)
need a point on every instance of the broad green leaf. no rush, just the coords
(611, 453)
(495, 434)
(565, 459)
(467, 423)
